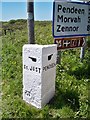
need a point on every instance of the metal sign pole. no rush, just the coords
(82, 54)
(59, 57)
(59, 52)
(30, 21)
(82, 49)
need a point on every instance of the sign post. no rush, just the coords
(82, 53)
(30, 11)
(71, 24)
(59, 57)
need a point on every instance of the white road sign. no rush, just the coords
(71, 19)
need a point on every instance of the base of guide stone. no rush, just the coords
(45, 99)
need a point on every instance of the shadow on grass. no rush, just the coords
(82, 70)
(68, 98)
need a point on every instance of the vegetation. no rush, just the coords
(72, 77)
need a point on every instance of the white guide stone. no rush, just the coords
(39, 72)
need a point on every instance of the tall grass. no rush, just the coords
(72, 78)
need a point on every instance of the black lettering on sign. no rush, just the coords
(58, 28)
(89, 19)
(28, 92)
(26, 67)
(59, 7)
(45, 68)
(72, 10)
(68, 19)
(88, 28)
(39, 70)
(60, 18)
(32, 68)
(69, 28)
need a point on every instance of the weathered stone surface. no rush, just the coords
(39, 71)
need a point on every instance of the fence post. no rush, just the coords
(30, 21)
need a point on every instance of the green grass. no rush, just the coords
(72, 78)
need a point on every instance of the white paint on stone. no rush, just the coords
(39, 72)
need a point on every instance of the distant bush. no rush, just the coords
(13, 25)
(12, 21)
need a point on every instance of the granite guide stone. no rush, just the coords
(39, 72)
